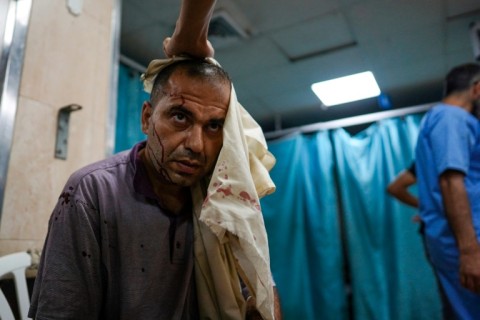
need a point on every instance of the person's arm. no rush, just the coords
(459, 217)
(190, 36)
(69, 282)
(398, 188)
(277, 311)
(252, 312)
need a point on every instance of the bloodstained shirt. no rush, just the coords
(113, 252)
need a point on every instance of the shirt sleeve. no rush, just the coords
(451, 138)
(69, 281)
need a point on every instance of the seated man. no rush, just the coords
(145, 234)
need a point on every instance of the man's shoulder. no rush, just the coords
(447, 110)
(447, 115)
(109, 167)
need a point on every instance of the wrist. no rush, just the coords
(191, 32)
(471, 247)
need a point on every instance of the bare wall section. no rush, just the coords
(67, 60)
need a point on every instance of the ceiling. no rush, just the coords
(278, 48)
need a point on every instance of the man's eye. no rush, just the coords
(215, 127)
(179, 117)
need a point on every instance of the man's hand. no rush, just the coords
(416, 219)
(470, 269)
(191, 30)
(252, 312)
(172, 46)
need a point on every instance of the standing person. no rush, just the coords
(171, 228)
(448, 177)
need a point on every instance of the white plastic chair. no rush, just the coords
(16, 264)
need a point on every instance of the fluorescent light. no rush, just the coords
(346, 89)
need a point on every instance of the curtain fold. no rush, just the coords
(302, 224)
(390, 276)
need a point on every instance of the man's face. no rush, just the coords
(185, 129)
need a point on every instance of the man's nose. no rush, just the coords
(194, 140)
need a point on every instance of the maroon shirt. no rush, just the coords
(112, 252)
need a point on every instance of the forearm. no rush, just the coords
(405, 197)
(398, 188)
(252, 312)
(276, 303)
(194, 18)
(457, 210)
(191, 30)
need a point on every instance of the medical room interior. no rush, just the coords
(340, 246)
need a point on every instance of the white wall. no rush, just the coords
(67, 60)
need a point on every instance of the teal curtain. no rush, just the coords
(130, 99)
(303, 229)
(330, 200)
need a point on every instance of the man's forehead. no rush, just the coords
(182, 75)
(179, 80)
(195, 100)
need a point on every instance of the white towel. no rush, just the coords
(229, 231)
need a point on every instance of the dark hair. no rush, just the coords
(195, 68)
(461, 77)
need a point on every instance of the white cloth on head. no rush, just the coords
(157, 65)
(229, 231)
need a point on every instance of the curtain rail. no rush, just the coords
(115, 23)
(12, 54)
(132, 64)
(347, 122)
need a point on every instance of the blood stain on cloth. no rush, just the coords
(57, 215)
(66, 197)
(246, 197)
(226, 191)
(222, 166)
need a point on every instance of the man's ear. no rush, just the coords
(476, 90)
(147, 112)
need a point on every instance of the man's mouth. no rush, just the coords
(187, 166)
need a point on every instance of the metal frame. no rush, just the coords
(348, 122)
(11, 63)
(115, 58)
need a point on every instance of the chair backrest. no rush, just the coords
(15, 264)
